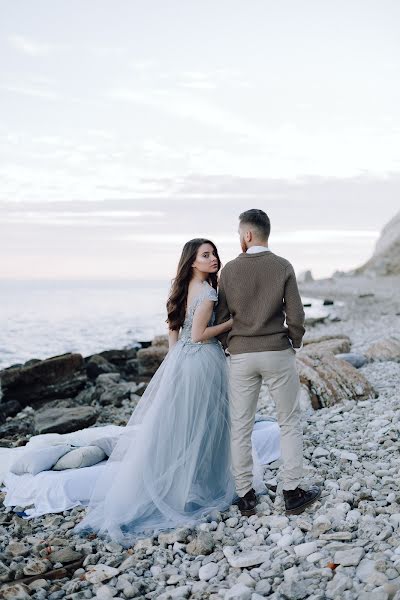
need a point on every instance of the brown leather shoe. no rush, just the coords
(296, 501)
(247, 504)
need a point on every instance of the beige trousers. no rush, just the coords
(278, 369)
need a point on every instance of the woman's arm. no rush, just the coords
(173, 336)
(200, 330)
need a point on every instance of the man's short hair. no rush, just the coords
(259, 220)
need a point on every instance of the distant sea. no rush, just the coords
(39, 319)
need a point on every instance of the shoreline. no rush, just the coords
(345, 546)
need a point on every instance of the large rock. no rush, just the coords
(9, 409)
(327, 343)
(105, 382)
(160, 340)
(112, 361)
(387, 349)
(119, 357)
(54, 420)
(149, 359)
(331, 380)
(97, 365)
(57, 377)
(116, 394)
(386, 257)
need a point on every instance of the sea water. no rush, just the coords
(39, 319)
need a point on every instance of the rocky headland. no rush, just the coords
(346, 546)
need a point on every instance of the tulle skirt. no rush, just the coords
(171, 465)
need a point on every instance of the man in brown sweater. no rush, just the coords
(259, 290)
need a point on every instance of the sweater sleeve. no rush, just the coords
(222, 312)
(293, 308)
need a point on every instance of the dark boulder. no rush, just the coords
(57, 377)
(9, 409)
(56, 420)
(97, 365)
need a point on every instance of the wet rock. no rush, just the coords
(15, 429)
(70, 419)
(116, 394)
(85, 396)
(57, 377)
(98, 365)
(118, 357)
(9, 408)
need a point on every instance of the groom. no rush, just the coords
(259, 290)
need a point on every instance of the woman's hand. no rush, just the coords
(228, 325)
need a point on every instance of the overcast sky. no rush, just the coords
(128, 127)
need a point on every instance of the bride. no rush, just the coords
(171, 465)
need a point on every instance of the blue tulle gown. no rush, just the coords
(171, 466)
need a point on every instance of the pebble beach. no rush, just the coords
(345, 546)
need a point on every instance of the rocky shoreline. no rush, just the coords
(345, 547)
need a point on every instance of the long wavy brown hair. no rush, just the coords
(177, 300)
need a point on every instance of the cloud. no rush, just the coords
(93, 218)
(197, 80)
(30, 91)
(28, 46)
(105, 51)
(189, 106)
(304, 236)
(145, 64)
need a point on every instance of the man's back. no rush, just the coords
(260, 290)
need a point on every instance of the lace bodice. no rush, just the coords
(208, 292)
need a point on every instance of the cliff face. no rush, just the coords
(386, 258)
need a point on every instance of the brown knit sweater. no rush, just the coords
(259, 290)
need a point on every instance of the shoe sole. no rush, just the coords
(302, 508)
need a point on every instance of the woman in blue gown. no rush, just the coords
(171, 465)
